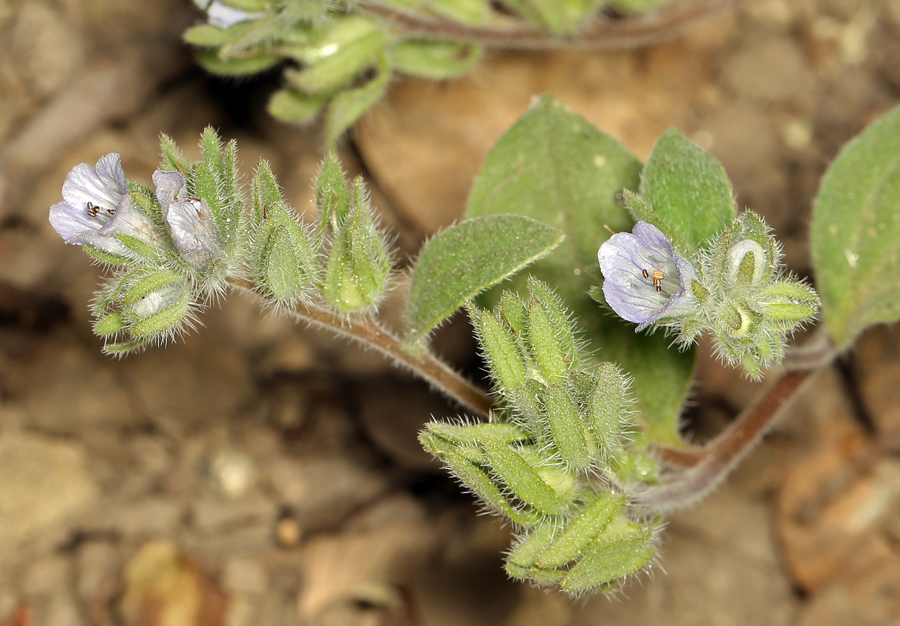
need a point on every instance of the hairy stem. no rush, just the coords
(708, 466)
(600, 33)
(367, 331)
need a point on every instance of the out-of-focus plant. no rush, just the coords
(338, 56)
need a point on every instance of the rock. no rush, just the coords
(189, 384)
(86, 390)
(394, 420)
(146, 517)
(46, 576)
(244, 576)
(44, 484)
(769, 70)
(164, 587)
(323, 491)
(48, 45)
(96, 564)
(211, 515)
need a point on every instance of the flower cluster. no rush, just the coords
(735, 288)
(176, 247)
(559, 457)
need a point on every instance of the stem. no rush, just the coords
(706, 467)
(600, 33)
(709, 465)
(369, 332)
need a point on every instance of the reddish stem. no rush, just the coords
(600, 33)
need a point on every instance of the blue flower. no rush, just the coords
(96, 208)
(645, 281)
(189, 220)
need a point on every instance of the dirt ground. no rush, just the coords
(260, 473)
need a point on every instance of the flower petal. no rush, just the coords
(169, 186)
(103, 188)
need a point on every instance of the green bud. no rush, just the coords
(608, 564)
(109, 324)
(521, 477)
(500, 349)
(265, 191)
(545, 345)
(609, 402)
(283, 262)
(566, 429)
(522, 560)
(474, 433)
(513, 312)
(358, 263)
(581, 531)
(159, 311)
(558, 317)
(482, 486)
(332, 198)
(527, 412)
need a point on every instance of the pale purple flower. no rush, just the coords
(96, 207)
(189, 220)
(645, 281)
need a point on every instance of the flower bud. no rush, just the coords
(283, 263)
(358, 263)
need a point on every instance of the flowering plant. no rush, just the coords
(582, 456)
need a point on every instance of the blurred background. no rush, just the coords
(262, 473)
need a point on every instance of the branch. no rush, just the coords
(601, 33)
(367, 331)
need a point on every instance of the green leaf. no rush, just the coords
(206, 36)
(466, 11)
(295, 107)
(435, 60)
(345, 56)
(555, 167)
(687, 193)
(562, 17)
(856, 233)
(464, 260)
(349, 105)
(210, 61)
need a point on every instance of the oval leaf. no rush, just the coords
(464, 260)
(686, 192)
(856, 232)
